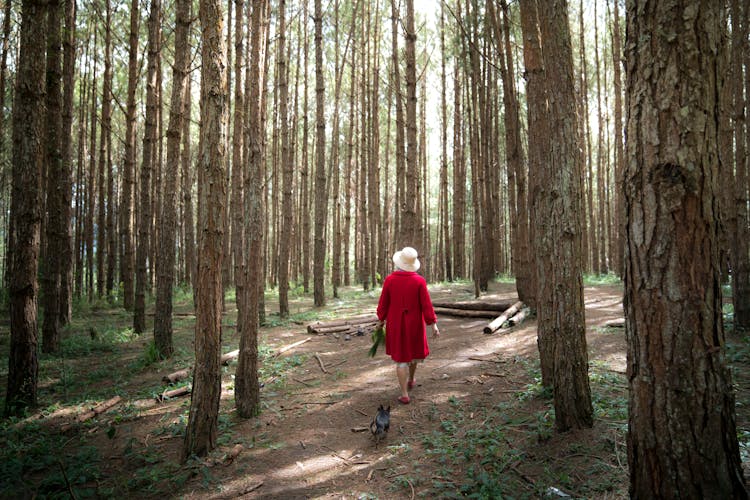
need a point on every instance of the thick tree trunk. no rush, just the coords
(287, 169)
(167, 234)
(740, 244)
(558, 216)
(321, 198)
(25, 212)
(202, 426)
(142, 282)
(104, 280)
(682, 438)
(247, 387)
(66, 179)
(56, 225)
(128, 188)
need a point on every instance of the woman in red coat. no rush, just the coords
(405, 307)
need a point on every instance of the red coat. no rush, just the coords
(405, 306)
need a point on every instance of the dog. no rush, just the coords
(381, 423)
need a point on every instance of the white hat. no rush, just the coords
(406, 259)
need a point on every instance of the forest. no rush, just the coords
(200, 201)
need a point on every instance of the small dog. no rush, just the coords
(381, 423)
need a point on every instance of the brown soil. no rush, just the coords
(477, 407)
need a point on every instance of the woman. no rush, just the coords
(405, 307)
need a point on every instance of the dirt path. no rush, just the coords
(305, 446)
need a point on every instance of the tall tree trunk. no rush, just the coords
(399, 238)
(740, 244)
(247, 387)
(619, 145)
(105, 156)
(321, 199)
(142, 283)
(287, 169)
(410, 228)
(459, 170)
(187, 191)
(202, 426)
(682, 439)
(91, 181)
(236, 191)
(66, 148)
(167, 234)
(56, 225)
(25, 213)
(444, 247)
(128, 176)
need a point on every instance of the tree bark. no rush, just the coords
(56, 225)
(682, 438)
(128, 188)
(410, 228)
(558, 217)
(247, 387)
(321, 198)
(287, 169)
(25, 212)
(142, 282)
(202, 427)
(104, 285)
(167, 234)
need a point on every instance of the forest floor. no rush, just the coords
(479, 423)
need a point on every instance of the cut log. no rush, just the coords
(174, 393)
(474, 305)
(614, 323)
(92, 412)
(356, 320)
(226, 358)
(496, 323)
(176, 376)
(465, 313)
(291, 346)
(519, 317)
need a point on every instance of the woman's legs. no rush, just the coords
(403, 370)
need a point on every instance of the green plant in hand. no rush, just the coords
(378, 338)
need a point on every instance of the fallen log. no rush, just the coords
(519, 317)
(291, 346)
(92, 412)
(614, 323)
(174, 393)
(356, 320)
(226, 358)
(496, 323)
(176, 376)
(465, 313)
(474, 305)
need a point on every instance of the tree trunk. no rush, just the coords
(740, 244)
(56, 225)
(167, 234)
(682, 439)
(91, 181)
(410, 228)
(187, 190)
(104, 287)
(247, 387)
(126, 205)
(321, 199)
(202, 427)
(400, 200)
(142, 283)
(617, 61)
(25, 213)
(236, 189)
(459, 172)
(287, 169)
(558, 217)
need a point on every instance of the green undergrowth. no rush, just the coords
(475, 450)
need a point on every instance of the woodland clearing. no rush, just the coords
(479, 424)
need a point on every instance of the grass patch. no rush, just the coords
(601, 279)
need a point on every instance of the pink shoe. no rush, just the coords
(411, 384)
(404, 399)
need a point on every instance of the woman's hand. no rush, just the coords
(435, 330)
